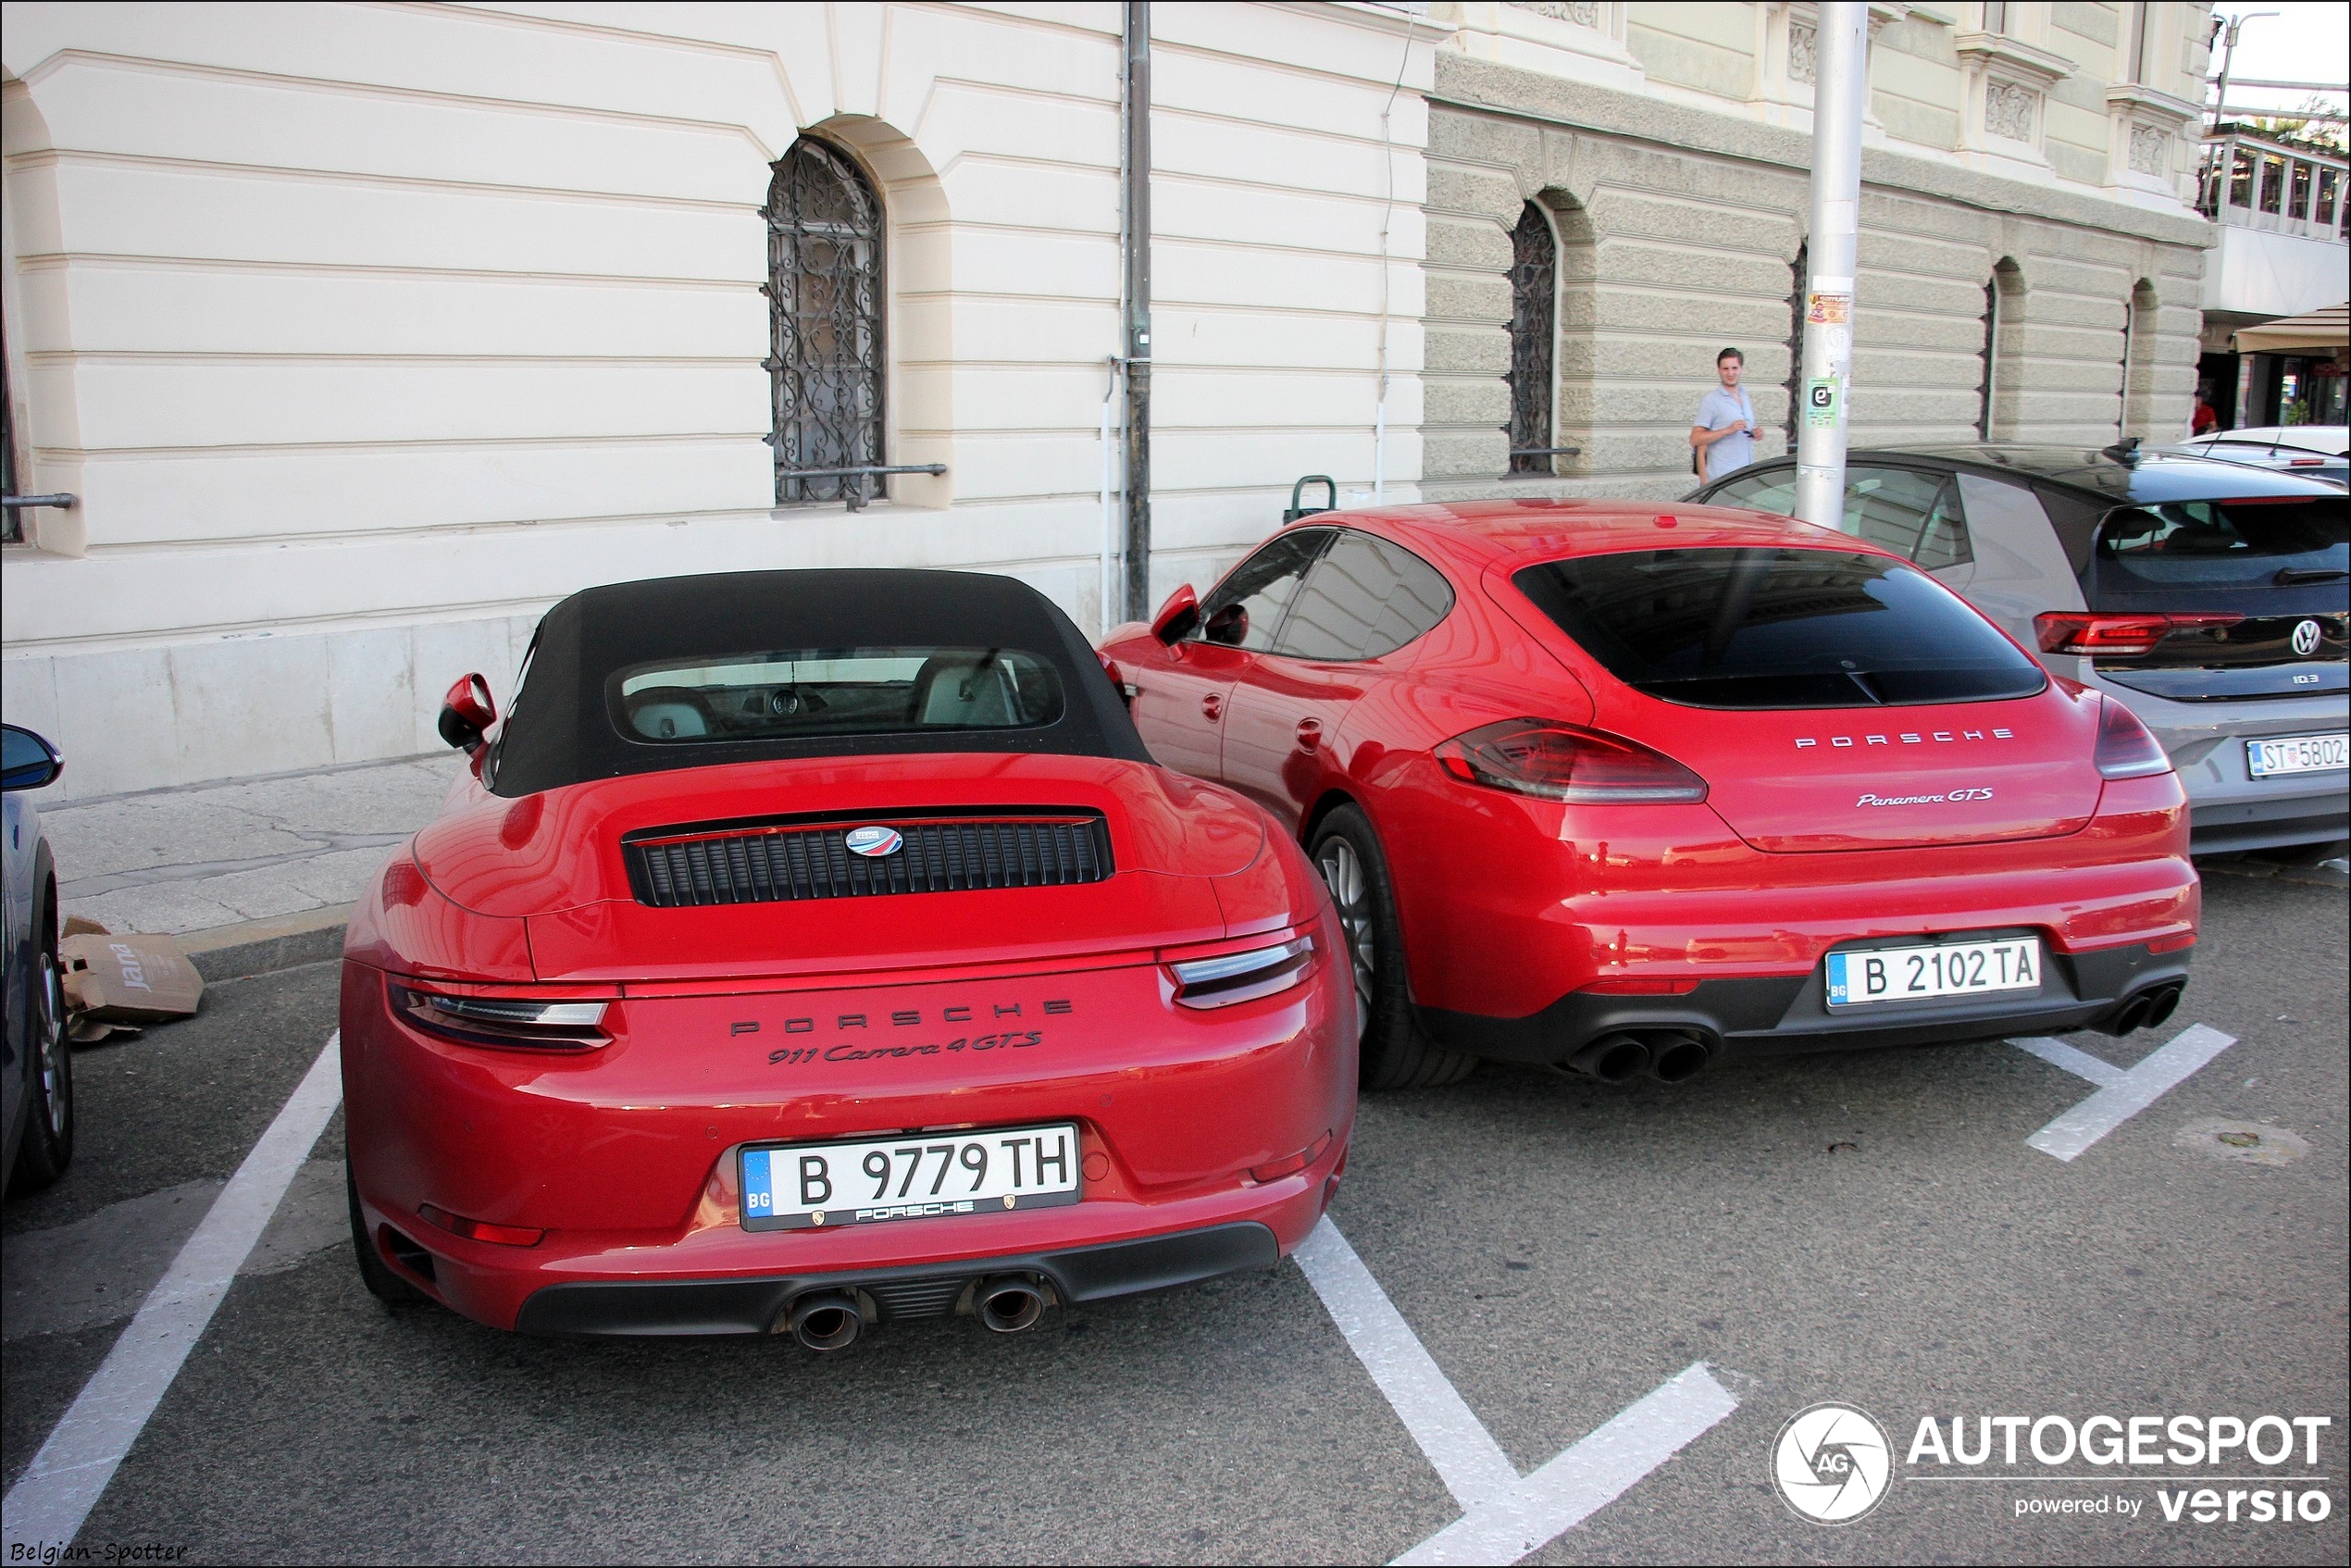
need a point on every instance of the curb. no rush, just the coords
(233, 953)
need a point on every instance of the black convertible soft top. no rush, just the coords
(561, 730)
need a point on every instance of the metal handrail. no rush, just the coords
(62, 500)
(1545, 451)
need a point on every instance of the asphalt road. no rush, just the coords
(1868, 1228)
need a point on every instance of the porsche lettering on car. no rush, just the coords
(808, 949)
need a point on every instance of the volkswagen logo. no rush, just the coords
(2306, 639)
(873, 842)
(1832, 1462)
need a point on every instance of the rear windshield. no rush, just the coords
(2158, 551)
(810, 692)
(1778, 629)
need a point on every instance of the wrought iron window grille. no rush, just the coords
(1534, 328)
(825, 360)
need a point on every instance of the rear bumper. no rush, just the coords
(1786, 1014)
(684, 1307)
(2229, 809)
(2226, 827)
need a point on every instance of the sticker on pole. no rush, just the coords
(1830, 310)
(1820, 403)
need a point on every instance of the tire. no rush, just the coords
(374, 1272)
(1395, 1054)
(47, 1146)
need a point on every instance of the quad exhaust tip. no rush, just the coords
(1678, 1058)
(827, 1320)
(1612, 1058)
(1670, 1056)
(2147, 1009)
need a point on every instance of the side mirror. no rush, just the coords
(1177, 616)
(467, 713)
(27, 761)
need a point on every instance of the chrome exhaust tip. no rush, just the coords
(827, 1320)
(1009, 1305)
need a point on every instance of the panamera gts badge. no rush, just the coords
(873, 842)
(2306, 639)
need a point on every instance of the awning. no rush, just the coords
(2321, 331)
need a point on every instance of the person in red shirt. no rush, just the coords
(2207, 419)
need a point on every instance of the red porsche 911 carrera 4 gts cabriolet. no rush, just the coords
(1609, 789)
(809, 949)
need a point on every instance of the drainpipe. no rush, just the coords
(1834, 256)
(1135, 245)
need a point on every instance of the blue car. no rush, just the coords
(38, 1082)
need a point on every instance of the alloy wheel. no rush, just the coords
(49, 1043)
(1343, 873)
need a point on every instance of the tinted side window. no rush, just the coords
(1246, 609)
(1913, 513)
(1778, 629)
(1771, 492)
(1364, 598)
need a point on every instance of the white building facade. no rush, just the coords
(361, 334)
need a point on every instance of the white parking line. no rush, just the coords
(2122, 1093)
(1471, 1464)
(1597, 1469)
(1504, 1516)
(51, 1499)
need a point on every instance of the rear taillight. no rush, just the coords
(1559, 762)
(2077, 631)
(2125, 748)
(512, 1023)
(1228, 978)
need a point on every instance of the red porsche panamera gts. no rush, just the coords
(1606, 789)
(807, 949)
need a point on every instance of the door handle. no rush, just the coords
(1211, 708)
(1310, 734)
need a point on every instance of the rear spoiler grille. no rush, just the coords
(671, 868)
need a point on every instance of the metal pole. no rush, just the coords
(1134, 239)
(1834, 253)
(2229, 55)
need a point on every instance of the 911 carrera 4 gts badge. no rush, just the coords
(873, 842)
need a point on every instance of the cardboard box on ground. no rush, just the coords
(114, 984)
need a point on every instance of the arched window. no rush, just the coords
(1534, 271)
(825, 296)
(1795, 339)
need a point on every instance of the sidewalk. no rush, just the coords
(241, 861)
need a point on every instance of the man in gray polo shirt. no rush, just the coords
(1724, 438)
